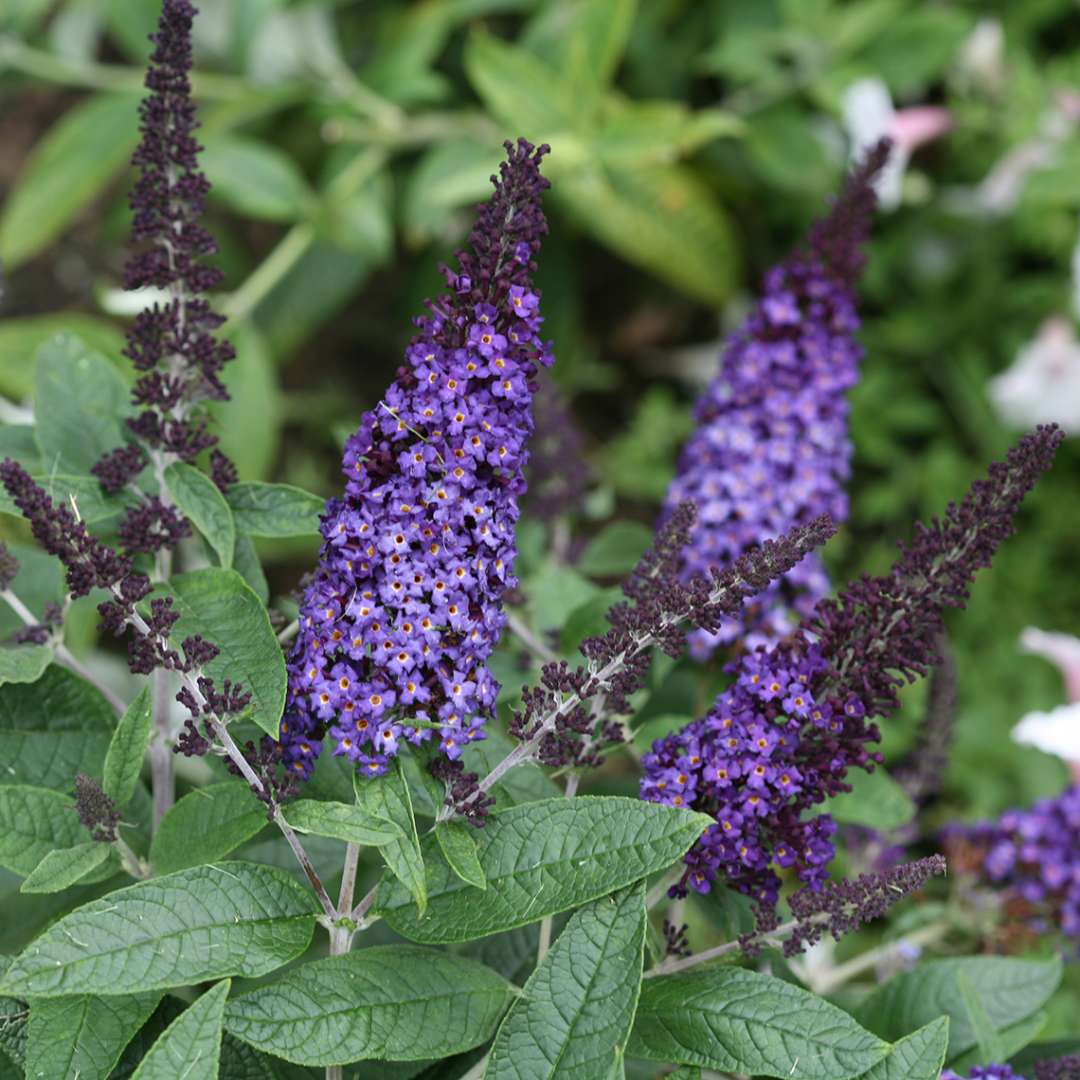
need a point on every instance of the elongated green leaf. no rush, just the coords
(127, 748)
(205, 923)
(739, 1021)
(191, 1045)
(206, 824)
(246, 563)
(388, 797)
(79, 402)
(52, 729)
(255, 178)
(1009, 989)
(24, 663)
(393, 1002)
(275, 510)
(219, 605)
(66, 170)
(198, 498)
(918, 1056)
(63, 868)
(21, 338)
(876, 801)
(987, 1040)
(82, 1037)
(616, 549)
(1011, 1041)
(459, 848)
(592, 48)
(575, 1014)
(33, 822)
(651, 132)
(341, 821)
(542, 858)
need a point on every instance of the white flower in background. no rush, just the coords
(1043, 384)
(1056, 732)
(869, 114)
(1062, 650)
(981, 60)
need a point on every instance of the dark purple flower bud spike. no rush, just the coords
(771, 449)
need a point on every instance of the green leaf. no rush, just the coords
(574, 1016)
(392, 1002)
(52, 729)
(79, 402)
(657, 132)
(987, 1039)
(67, 169)
(875, 801)
(198, 498)
(592, 46)
(246, 563)
(23, 663)
(1011, 1041)
(21, 338)
(33, 822)
(525, 784)
(254, 178)
(459, 849)
(663, 218)
(82, 1037)
(589, 619)
(193, 926)
(449, 175)
(388, 797)
(191, 1045)
(740, 1021)
(918, 1056)
(124, 760)
(341, 821)
(206, 824)
(63, 868)
(275, 510)
(219, 605)
(616, 549)
(1009, 990)
(518, 87)
(542, 858)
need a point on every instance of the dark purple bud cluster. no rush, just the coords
(406, 604)
(1033, 857)
(782, 736)
(52, 618)
(841, 907)
(984, 1072)
(463, 792)
(97, 812)
(771, 449)
(922, 771)
(264, 759)
(1062, 1068)
(559, 476)
(675, 941)
(171, 344)
(9, 566)
(559, 713)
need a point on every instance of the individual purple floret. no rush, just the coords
(771, 450)
(984, 1072)
(781, 737)
(1033, 856)
(172, 343)
(405, 606)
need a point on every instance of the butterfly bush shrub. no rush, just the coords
(329, 837)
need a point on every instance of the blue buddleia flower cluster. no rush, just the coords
(770, 448)
(405, 605)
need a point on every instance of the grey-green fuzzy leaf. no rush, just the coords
(341, 821)
(918, 1056)
(573, 1019)
(394, 1002)
(198, 498)
(127, 748)
(541, 858)
(191, 1045)
(740, 1021)
(205, 923)
(65, 867)
(275, 509)
(33, 822)
(459, 848)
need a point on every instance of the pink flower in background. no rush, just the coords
(1058, 731)
(1043, 384)
(869, 115)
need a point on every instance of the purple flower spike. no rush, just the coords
(171, 343)
(405, 605)
(771, 449)
(780, 739)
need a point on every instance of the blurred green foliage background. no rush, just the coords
(693, 140)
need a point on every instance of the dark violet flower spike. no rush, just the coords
(171, 343)
(781, 737)
(405, 605)
(1062, 1068)
(771, 449)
